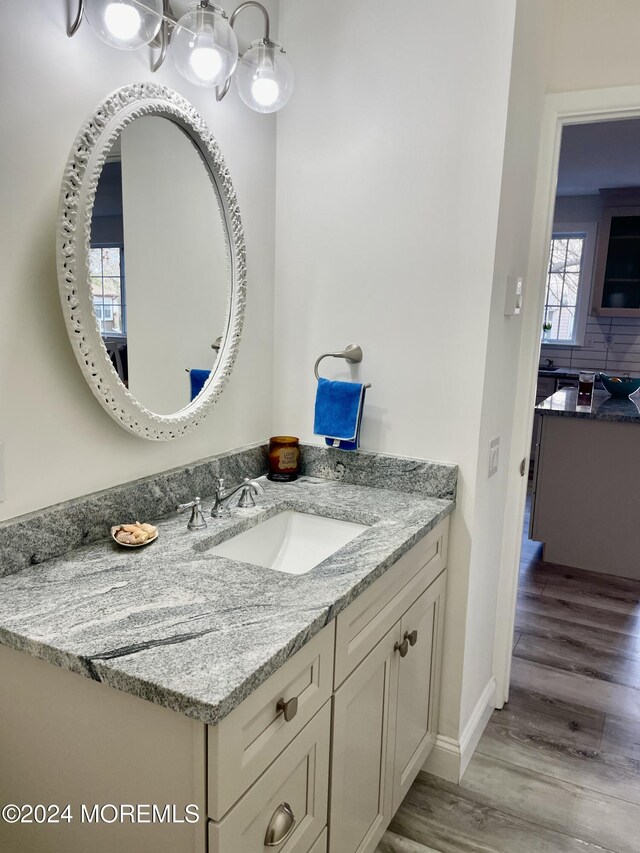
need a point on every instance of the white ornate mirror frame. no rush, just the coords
(84, 166)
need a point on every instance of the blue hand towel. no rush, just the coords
(338, 413)
(198, 378)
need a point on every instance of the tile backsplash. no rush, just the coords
(611, 344)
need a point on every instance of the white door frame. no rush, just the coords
(560, 109)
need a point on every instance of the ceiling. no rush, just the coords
(598, 155)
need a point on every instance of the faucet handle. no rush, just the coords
(249, 489)
(197, 520)
(258, 487)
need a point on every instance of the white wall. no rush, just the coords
(526, 103)
(594, 44)
(59, 442)
(389, 173)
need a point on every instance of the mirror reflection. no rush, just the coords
(158, 264)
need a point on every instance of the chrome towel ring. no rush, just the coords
(351, 353)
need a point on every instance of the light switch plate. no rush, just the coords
(494, 456)
(513, 298)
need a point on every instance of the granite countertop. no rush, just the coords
(192, 631)
(564, 403)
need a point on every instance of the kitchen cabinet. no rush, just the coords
(616, 287)
(585, 499)
(548, 385)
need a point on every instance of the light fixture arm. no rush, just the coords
(162, 39)
(265, 15)
(72, 27)
(221, 92)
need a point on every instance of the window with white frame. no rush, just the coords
(107, 288)
(568, 285)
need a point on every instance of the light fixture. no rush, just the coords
(202, 44)
(125, 24)
(264, 77)
(204, 47)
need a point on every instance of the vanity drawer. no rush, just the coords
(297, 780)
(367, 619)
(244, 744)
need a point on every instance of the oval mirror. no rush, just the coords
(151, 261)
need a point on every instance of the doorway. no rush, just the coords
(561, 111)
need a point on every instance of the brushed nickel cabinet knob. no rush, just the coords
(411, 637)
(289, 709)
(402, 647)
(280, 826)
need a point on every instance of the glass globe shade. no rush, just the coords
(264, 77)
(204, 47)
(125, 24)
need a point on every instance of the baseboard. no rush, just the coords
(449, 757)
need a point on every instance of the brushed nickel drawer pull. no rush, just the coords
(412, 637)
(280, 826)
(402, 647)
(289, 709)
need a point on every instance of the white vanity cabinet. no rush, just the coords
(289, 800)
(385, 711)
(315, 760)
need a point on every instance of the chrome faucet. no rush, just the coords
(197, 520)
(222, 499)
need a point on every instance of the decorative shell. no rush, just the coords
(134, 535)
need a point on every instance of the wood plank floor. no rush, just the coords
(558, 769)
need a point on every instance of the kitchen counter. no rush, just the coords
(193, 631)
(585, 488)
(564, 403)
(559, 372)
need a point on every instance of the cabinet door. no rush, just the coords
(418, 687)
(361, 783)
(375, 611)
(320, 845)
(616, 284)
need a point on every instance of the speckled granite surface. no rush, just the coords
(39, 536)
(193, 631)
(417, 476)
(564, 403)
(31, 539)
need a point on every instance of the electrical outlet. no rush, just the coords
(595, 340)
(494, 456)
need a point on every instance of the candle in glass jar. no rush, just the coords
(284, 458)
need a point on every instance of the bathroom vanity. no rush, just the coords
(287, 712)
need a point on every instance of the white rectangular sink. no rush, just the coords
(291, 542)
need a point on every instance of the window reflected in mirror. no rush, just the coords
(158, 264)
(106, 264)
